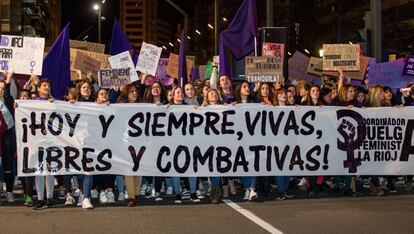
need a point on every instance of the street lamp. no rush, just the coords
(97, 8)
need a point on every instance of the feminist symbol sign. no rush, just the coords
(348, 132)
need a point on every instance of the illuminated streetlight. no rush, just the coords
(289, 53)
(224, 19)
(178, 40)
(198, 32)
(307, 51)
(210, 26)
(171, 44)
(164, 47)
(188, 37)
(97, 8)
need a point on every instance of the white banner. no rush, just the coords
(248, 139)
(148, 58)
(22, 55)
(124, 60)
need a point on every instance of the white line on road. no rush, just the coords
(248, 214)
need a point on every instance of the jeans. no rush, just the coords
(87, 185)
(282, 183)
(249, 182)
(215, 182)
(40, 186)
(177, 185)
(120, 183)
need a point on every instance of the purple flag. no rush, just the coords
(182, 62)
(56, 64)
(239, 36)
(120, 42)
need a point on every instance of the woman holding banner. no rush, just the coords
(8, 138)
(242, 95)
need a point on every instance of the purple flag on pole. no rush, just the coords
(239, 36)
(56, 64)
(408, 69)
(182, 62)
(120, 42)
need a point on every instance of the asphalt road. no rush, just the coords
(389, 214)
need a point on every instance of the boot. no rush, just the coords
(213, 195)
(232, 187)
(225, 191)
(380, 191)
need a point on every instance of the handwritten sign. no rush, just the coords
(88, 46)
(274, 50)
(172, 69)
(86, 64)
(114, 78)
(124, 60)
(408, 69)
(344, 56)
(161, 74)
(102, 58)
(264, 69)
(148, 58)
(388, 74)
(22, 55)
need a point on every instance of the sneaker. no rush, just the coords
(50, 203)
(199, 194)
(170, 191)
(253, 195)
(148, 191)
(178, 199)
(80, 199)
(281, 197)
(86, 204)
(10, 197)
(69, 200)
(103, 197)
(158, 197)
(289, 195)
(28, 201)
(246, 194)
(143, 189)
(126, 194)
(76, 193)
(194, 197)
(121, 197)
(94, 193)
(62, 194)
(111, 197)
(186, 194)
(41, 205)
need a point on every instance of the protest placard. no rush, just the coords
(148, 58)
(161, 74)
(315, 66)
(202, 71)
(340, 56)
(408, 69)
(298, 68)
(264, 69)
(22, 55)
(180, 141)
(102, 58)
(114, 78)
(274, 50)
(124, 60)
(172, 69)
(86, 64)
(389, 74)
(88, 46)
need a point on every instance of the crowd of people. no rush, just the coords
(217, 90)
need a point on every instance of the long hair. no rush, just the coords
(237, 89)
(373, 99)
(275, 97)
(207, 101)
(79, 86)
(123, 97)
(149, 98)
(221, 89)
(308, 101)
(259, 92)
(342, 93)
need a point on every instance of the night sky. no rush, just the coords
(81, 16)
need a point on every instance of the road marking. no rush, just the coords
(256, 219)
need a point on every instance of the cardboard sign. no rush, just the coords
(161, 74)
(274, 50)
(315, 66)
(408, 69)
(124, 60)
(298, 67)
(172, 69)
(202, 72)
(264, 69)
(354, 75)
(102, 58)
(114, 78)
(88, 46)
(148, 58)
(22, 55)
(344, 56)
(86, 64)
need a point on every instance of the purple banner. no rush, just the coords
(408, 69)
